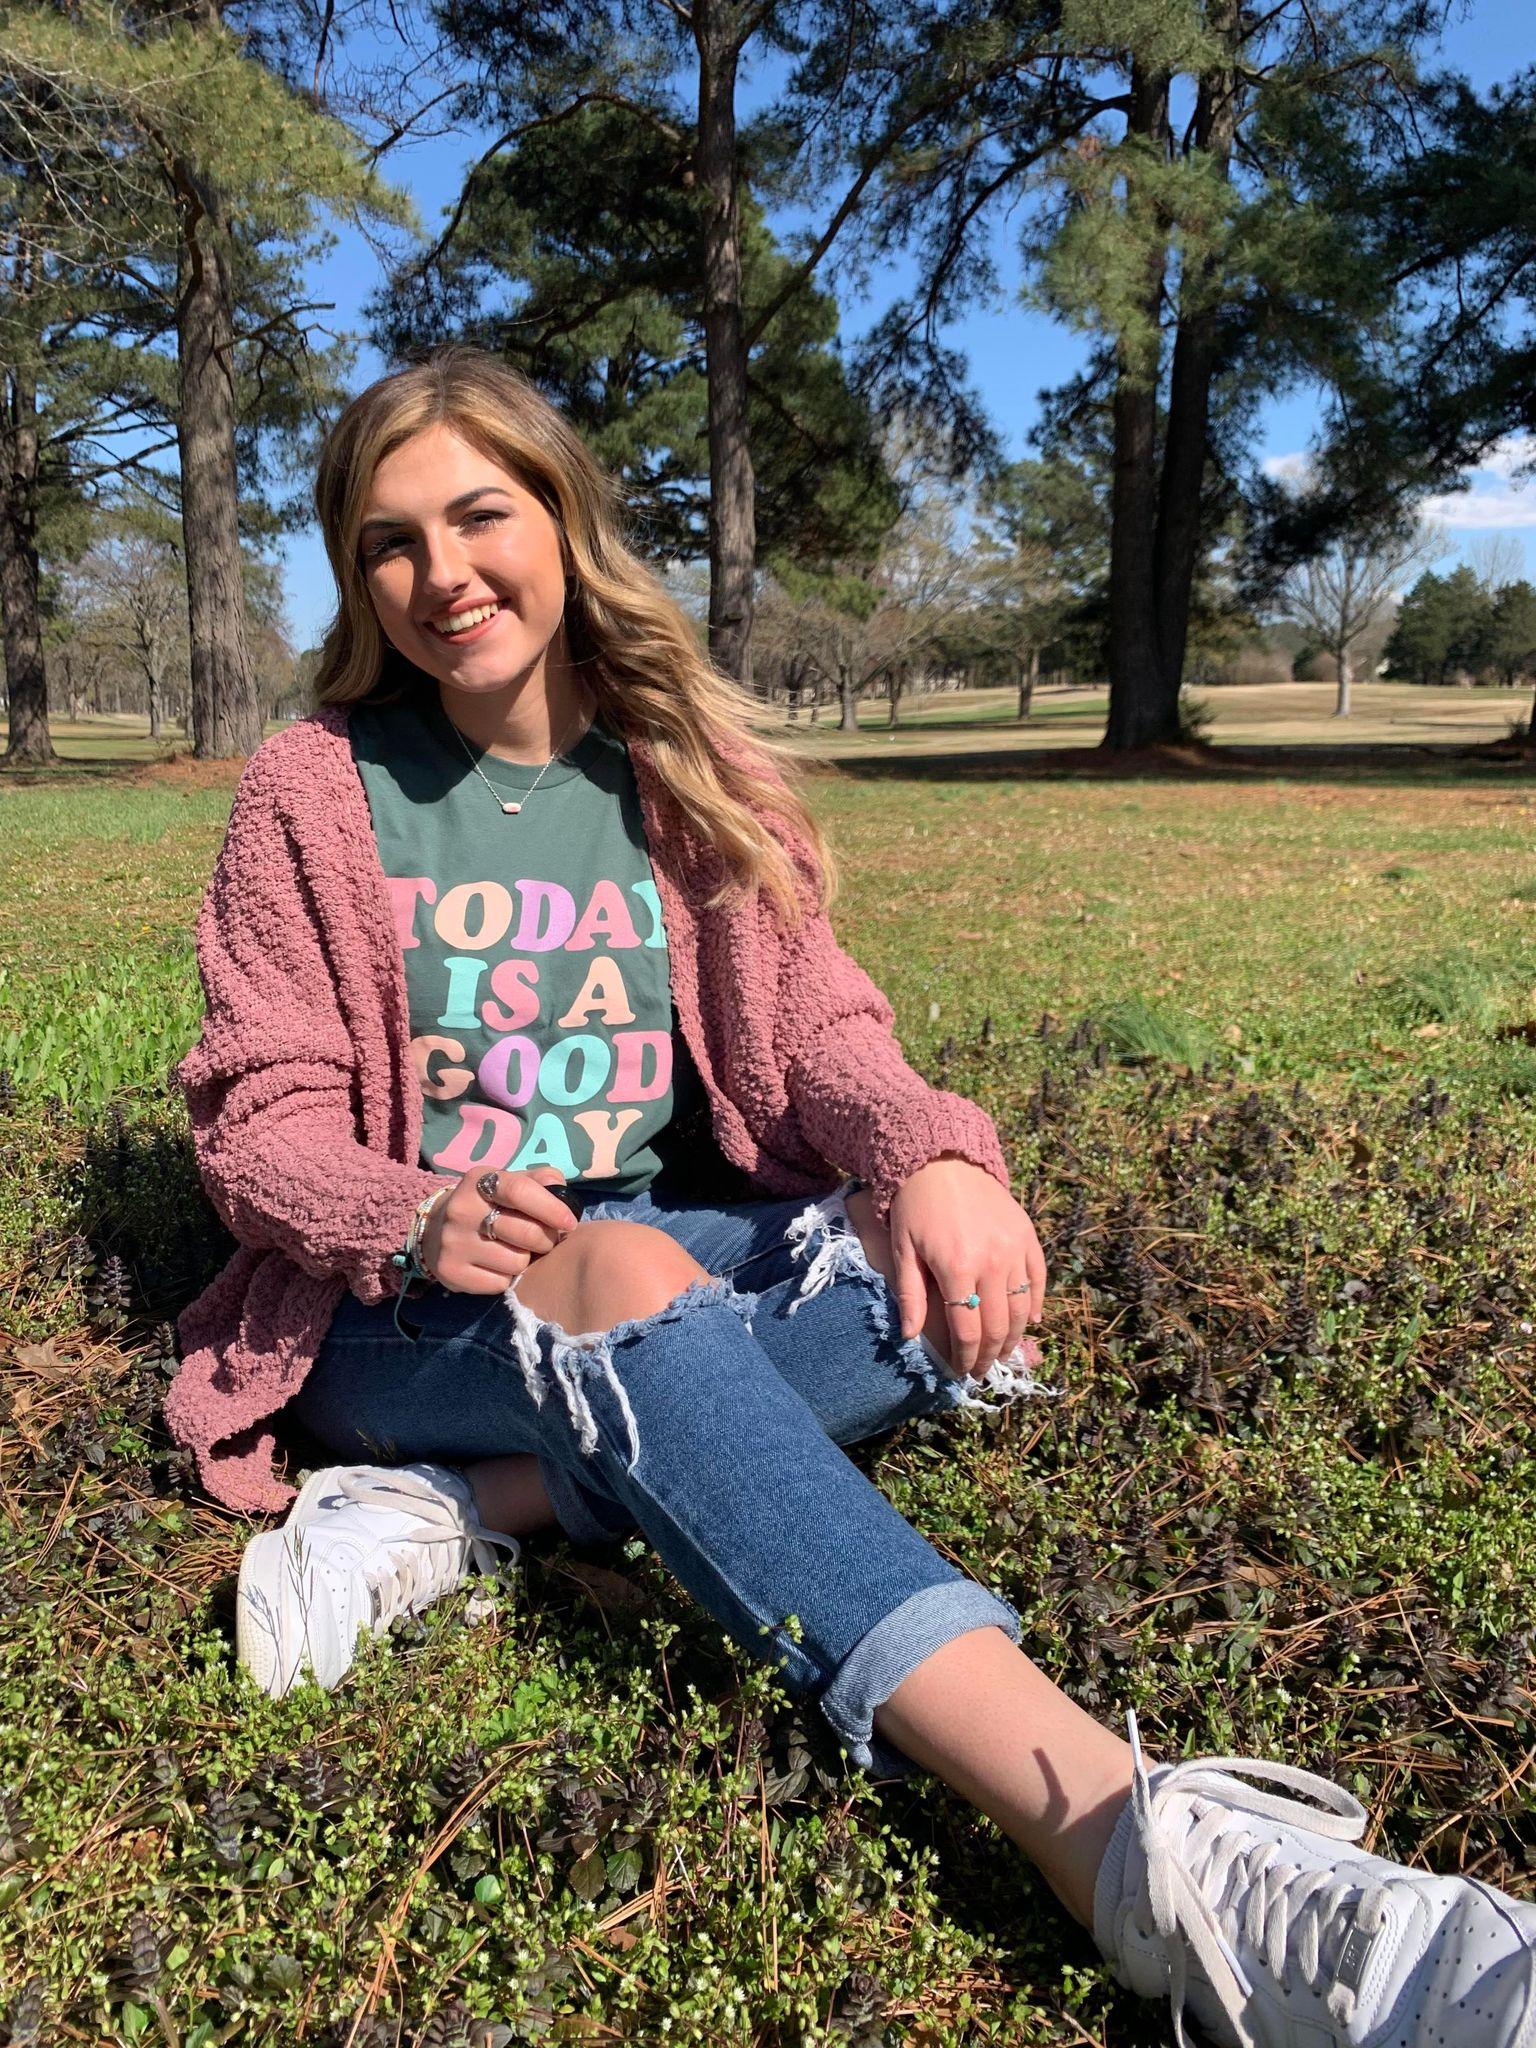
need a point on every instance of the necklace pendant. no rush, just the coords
(510, 808)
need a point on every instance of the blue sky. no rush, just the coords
(1013, 353)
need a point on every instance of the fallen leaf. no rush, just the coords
(610, 1591)
(43, 1358)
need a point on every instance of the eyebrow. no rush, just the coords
(454, 505)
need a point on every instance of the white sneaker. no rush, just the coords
(361, 1544)
(1279, 1932)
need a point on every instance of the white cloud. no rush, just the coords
(1483, 507)
(1515, 451)
(1496, 495)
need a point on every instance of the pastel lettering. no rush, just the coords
(647, 893)
(547, 915)
(447, 1082)
(632, 1047)
(607, 916)
(403, 893)
(513, 981)
(603, 991)
(464, 972)
(494, 1072)
(547, 1145)
(485, 1137)
(605, 1128)
(474, 914)
(591, 1058)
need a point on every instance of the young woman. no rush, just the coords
(530, 1073)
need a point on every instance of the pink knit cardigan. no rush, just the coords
(306, 1112)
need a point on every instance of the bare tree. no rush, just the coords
(128, 596)
(1343, 593)
(853, 631)
(1496, 559)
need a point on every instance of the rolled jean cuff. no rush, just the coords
(585, 1517)
(894, 1648)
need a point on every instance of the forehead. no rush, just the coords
(438, 464)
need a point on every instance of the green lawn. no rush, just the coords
(1242, 1038)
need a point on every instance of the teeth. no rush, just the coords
(462, 621)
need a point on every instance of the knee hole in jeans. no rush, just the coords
(609, 1272)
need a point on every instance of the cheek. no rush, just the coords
(391, 597)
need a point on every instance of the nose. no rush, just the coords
(444, 569)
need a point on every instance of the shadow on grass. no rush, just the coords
(1494, 764)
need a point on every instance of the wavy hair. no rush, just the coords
(633, 642)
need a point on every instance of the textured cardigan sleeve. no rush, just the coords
(269, 1085)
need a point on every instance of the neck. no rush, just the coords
(526, 720)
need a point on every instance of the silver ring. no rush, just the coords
(486, 1184)
(1025, 1289)
(971, 1300)
(487, 1226)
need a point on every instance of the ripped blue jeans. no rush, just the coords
(712, 1425)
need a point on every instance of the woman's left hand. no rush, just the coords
(952, 1220)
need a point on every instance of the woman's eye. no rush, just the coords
(376, 550)
(487, 518)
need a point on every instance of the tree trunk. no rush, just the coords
(848, 697)
(226, 708)
(897, 683)
(1029, 677)
(732, 507)
(1341, 707)
(1195, 352)
(26, 674)
(1142, 711)
(155, 713)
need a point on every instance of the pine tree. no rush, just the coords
(1180, 143)
(221, 160)
(574, 256)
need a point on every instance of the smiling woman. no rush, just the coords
(468, 577)
(588, 1083)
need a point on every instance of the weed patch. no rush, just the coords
(1284, 1505)
(1456, 989)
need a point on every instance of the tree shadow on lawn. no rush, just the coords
(1498, 763)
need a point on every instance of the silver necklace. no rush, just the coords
(506, 804)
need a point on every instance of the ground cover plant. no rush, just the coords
(1262, 1057)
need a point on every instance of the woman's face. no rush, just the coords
(462, 562)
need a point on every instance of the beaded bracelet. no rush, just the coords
(408, 1262)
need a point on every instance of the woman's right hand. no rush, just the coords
(531, 1221)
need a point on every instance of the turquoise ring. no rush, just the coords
(967, 1301)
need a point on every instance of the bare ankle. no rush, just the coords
(510, 1494)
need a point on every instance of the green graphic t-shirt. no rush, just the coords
(543, 1030)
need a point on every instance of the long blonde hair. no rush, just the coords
(633, 642)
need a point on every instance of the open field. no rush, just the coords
(1281, 715)
(1263, 1054)
(952, 722)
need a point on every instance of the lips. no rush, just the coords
(460, 624)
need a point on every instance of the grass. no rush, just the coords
(1283, 1163)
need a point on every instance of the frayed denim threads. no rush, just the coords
(589, 1353)
(824, 1232)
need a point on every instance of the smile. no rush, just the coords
(460, 624)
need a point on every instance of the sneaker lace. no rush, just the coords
(1214, 1882)
(419, 1577)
